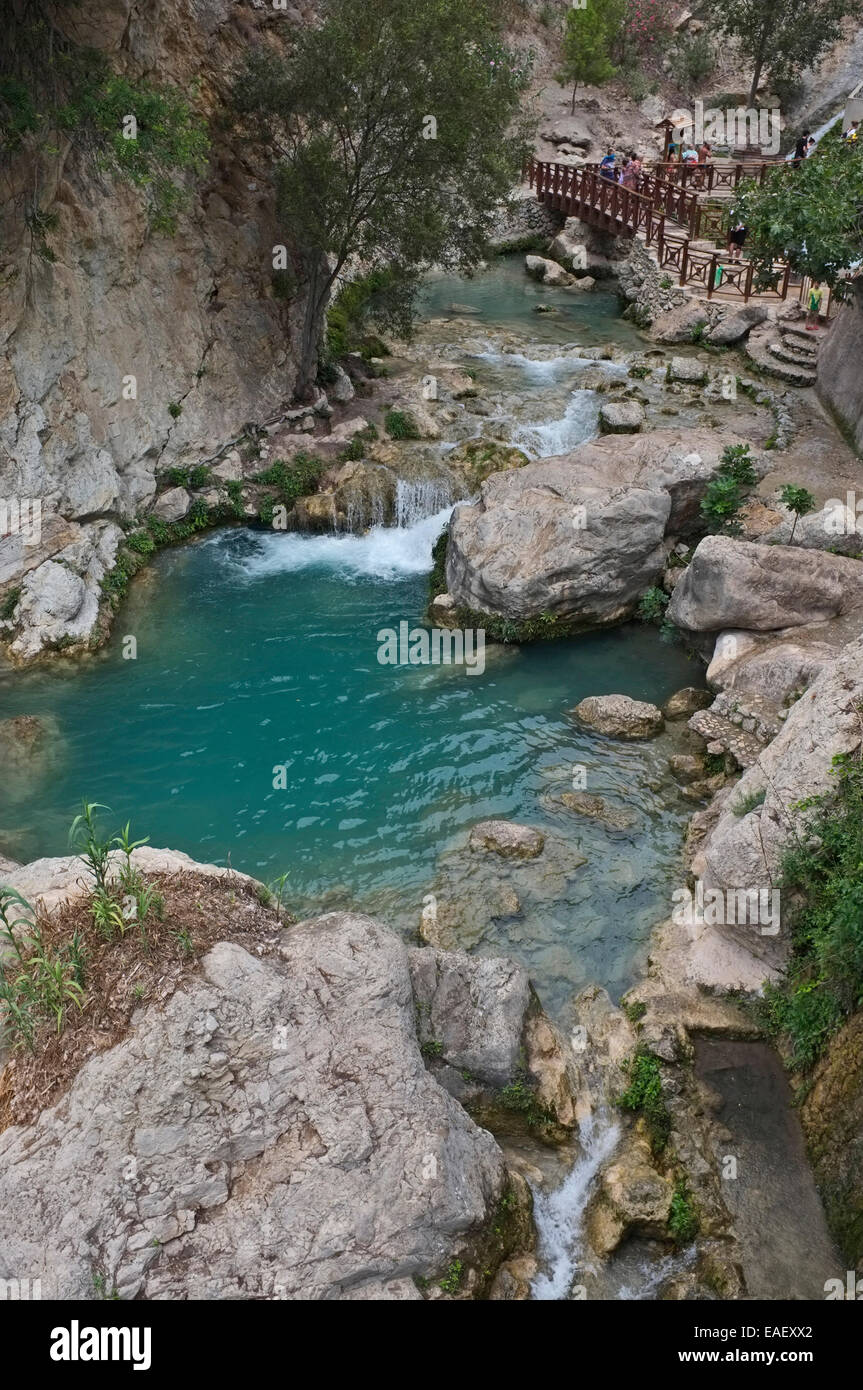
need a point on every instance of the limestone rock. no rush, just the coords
(688, 370)
(597, 808)
(507, 839)
(471, 1010)
(173, 505)
(744, 852)
(270, 1131)
(631, 1198)
(60, 599)
(737, 584)
(476, 459)
(580, 536)
(618, 716)
(833, 528)
(685, 702)
(342, 389)
(680, 324)
(735, 325)
(548, 272)
(621, 417)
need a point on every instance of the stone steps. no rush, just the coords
(801, 339)
(715, 728)
(785, 353)
(759, 348)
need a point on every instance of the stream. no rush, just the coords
(256, 726)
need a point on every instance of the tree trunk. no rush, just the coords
(759, 64)
(572, 103)
(310, 333)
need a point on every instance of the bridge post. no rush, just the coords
(684, 263)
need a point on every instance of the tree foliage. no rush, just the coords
(589, 37)
(54, 91)
(811, 216)
(397, 132)
(783, 37)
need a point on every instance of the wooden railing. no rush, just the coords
(576, 190)
(710, 177)
(580, 191)
(712, 272)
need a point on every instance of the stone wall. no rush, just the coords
(191, 317)
(840, 379)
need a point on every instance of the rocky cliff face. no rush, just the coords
(840, 381)
(272, 1128)
(190, 317)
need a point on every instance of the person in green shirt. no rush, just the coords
(816, 294)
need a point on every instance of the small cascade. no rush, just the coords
(363, 514)
(548, 438)
(417, 500)
(559, 1215)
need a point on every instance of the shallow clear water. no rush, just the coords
(260, 650)
(503, 297)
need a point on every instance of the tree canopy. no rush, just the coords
(588, 39)
(783, 37)
(811, 216)
(397, 132)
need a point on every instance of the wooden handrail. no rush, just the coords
(581, 191)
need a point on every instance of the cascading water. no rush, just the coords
(559, 1215)
(417, 500)
(558, 435)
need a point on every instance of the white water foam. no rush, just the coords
(537, 368)
(547, 438)
(559, 1215)
(383, 552)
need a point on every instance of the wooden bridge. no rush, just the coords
(669, 216)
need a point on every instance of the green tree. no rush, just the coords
(799, 501)
(811, 216)
(397, 132)
(587, 42)
(783, 36)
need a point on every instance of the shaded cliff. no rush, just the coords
(840, 380)
(191, 317)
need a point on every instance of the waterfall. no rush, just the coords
(559, 1215)
(359, 518)
(416, 501)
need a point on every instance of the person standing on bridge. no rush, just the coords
(607, 166)
(736, 237)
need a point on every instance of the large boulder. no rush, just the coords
(836, 528)
(546, 271)
(506, 838)
(761, 588)
(734, 326)
(744, 851)
(270, 1131)
(687, 370)
(582, 535)
(472, 1011)
(681, 324)
(172, 505)
(619, 716)
(621, 417)
(61, 599)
